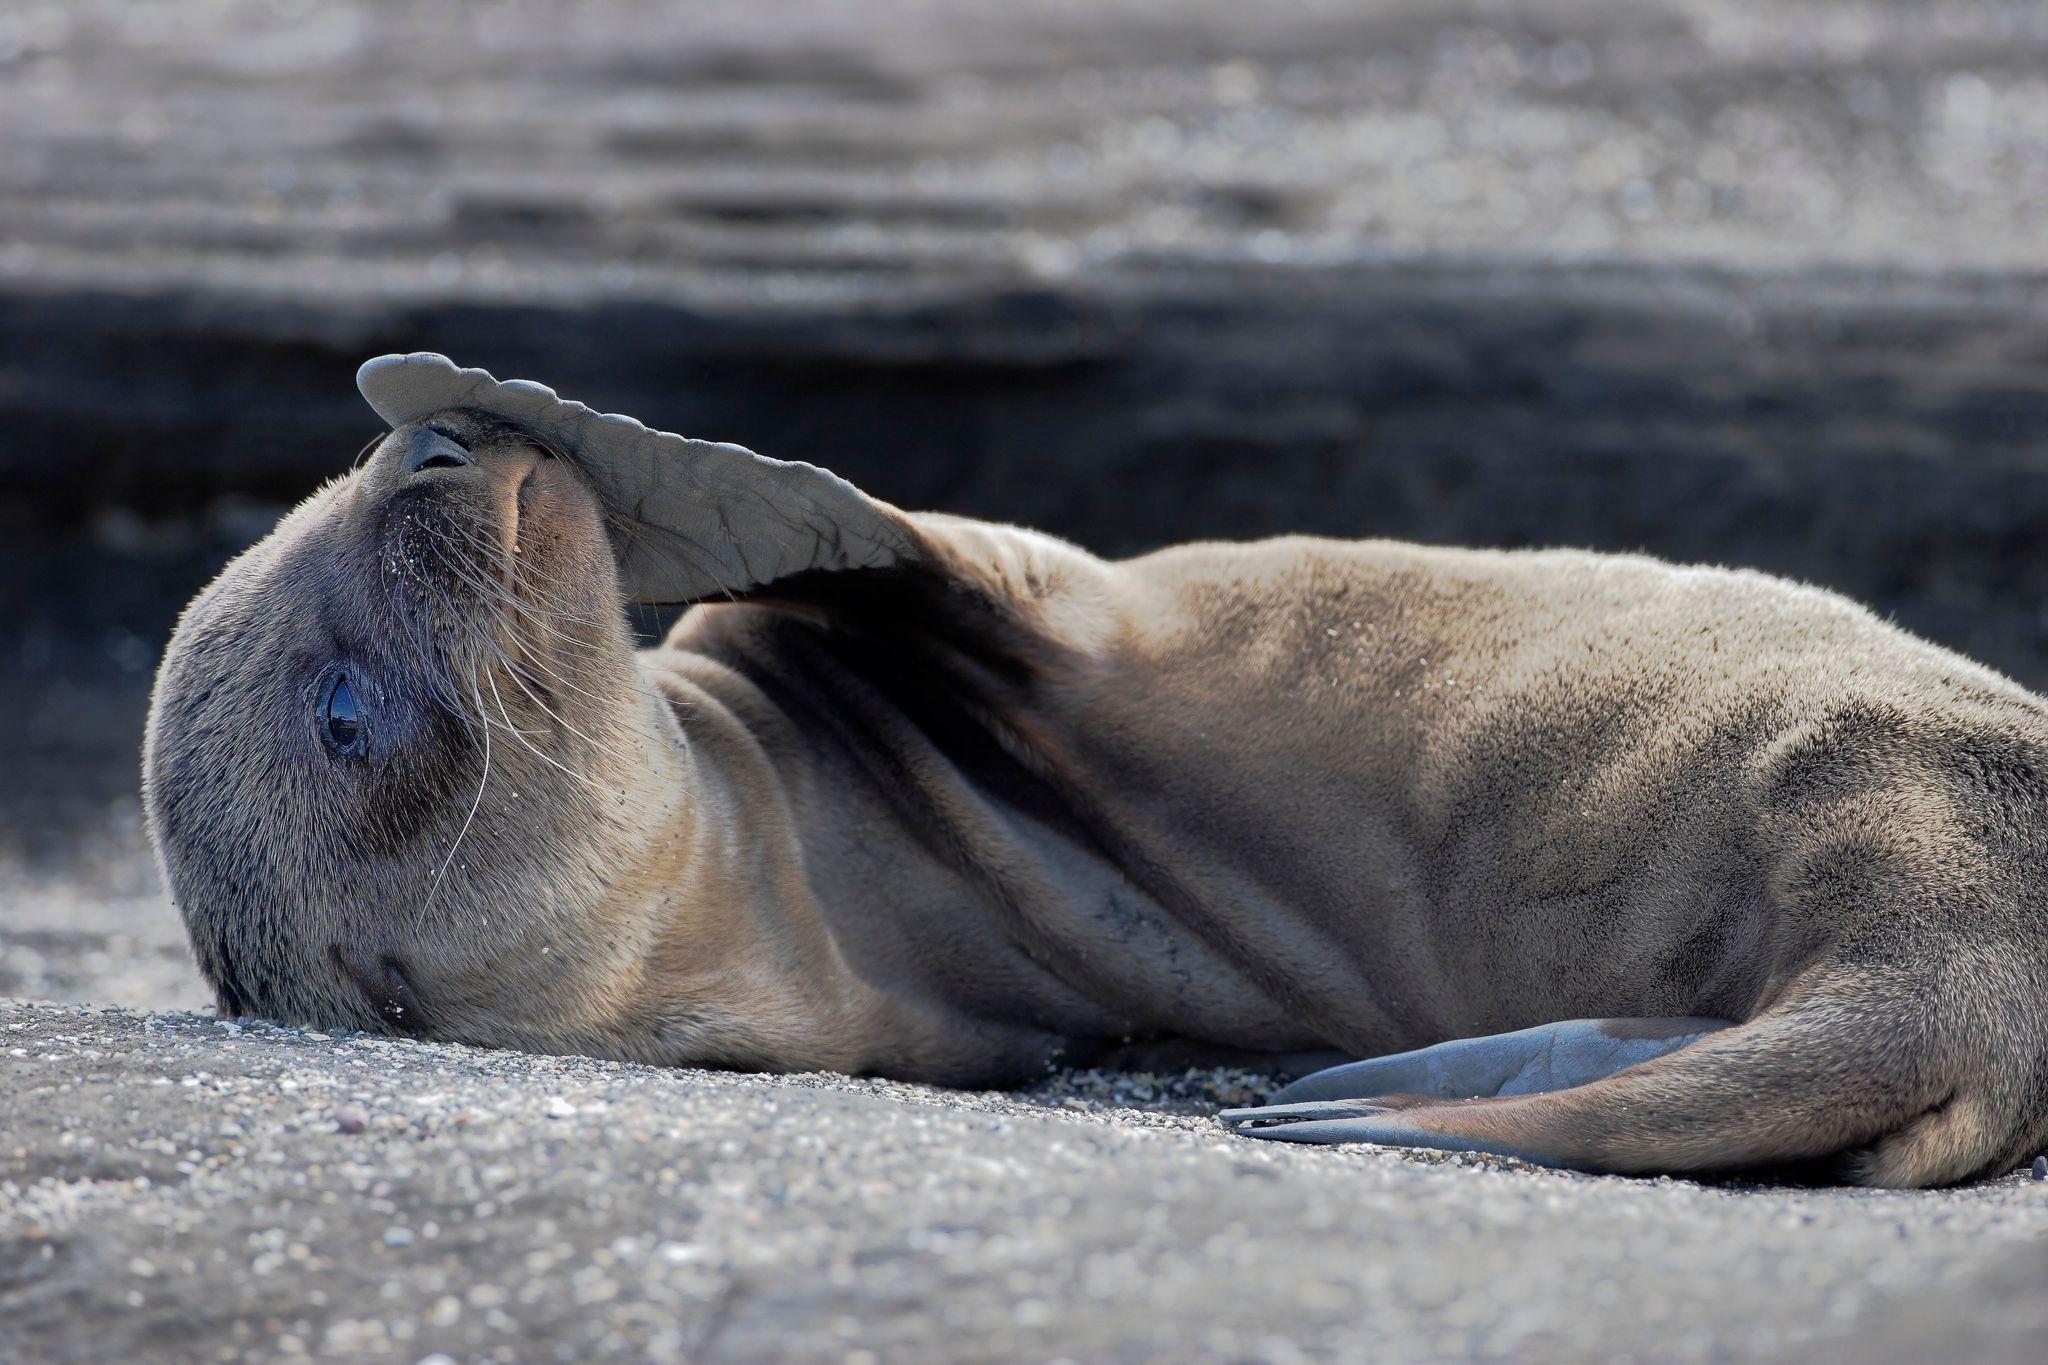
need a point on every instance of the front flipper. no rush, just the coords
(689, 520)
(1373, 1101)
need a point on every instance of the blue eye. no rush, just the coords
(341, 720)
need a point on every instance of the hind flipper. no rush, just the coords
(1381, 1099)
(1527, 1062)
(1838, 1068)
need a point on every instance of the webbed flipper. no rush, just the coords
(689, 520)
(1391, 1100)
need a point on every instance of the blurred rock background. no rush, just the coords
(1756, 281)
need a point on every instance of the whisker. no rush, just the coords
(532, 659)
(591, 783)
(493, 596)
(465, 570)
(533, 576)
(498, 595)
(513, 670)
(361, 455)
(435, 889)
(552, 713)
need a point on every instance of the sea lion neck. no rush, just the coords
(766, 952)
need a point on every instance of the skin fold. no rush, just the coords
(976, 803)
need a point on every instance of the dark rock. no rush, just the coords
(1527, 274)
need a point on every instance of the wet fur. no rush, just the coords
(1001, 803)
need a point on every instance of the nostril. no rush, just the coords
(431, 450)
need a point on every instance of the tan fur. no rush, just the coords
(1004, 802)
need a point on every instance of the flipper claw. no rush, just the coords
(1383, 1130)
(1308, 1109)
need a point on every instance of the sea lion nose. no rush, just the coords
(429, 449)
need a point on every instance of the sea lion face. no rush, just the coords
(399, 750)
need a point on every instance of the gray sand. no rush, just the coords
(173, 1185)
(182, 1185)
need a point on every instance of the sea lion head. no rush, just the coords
(400, 754)
(404, 769)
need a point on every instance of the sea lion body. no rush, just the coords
(1370, 796)
(973, 802)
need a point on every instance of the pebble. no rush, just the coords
(2041, 1167)
(351, 1118)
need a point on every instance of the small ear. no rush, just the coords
(688, 519)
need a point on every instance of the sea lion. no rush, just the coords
(1667, 869)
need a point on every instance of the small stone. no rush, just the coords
(559, 1108)
(397, 1237)
(351, 1118)
(2041, 1168)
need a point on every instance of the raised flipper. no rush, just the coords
(701, 521)
(1366, 1101)
(689, 520)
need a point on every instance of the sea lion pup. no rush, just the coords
(1697, 870)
